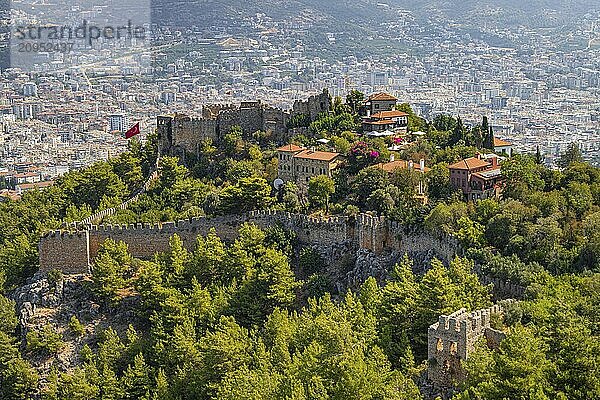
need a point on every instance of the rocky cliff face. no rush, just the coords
(44, 303)
(50, 304)
(349, 268)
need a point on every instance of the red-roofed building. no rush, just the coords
(298, 164)
(503, 147)
(393, 165)
(24, 177)
(9, 195)
(25, 187)
(386, 120)
(478, 177)
(379, 102)
(285, 159)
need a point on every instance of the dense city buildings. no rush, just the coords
(300, 199)
(539, 88)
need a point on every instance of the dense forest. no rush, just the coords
(258, 319)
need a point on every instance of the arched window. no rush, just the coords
(453, 348)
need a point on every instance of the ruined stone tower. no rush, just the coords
(453, 338)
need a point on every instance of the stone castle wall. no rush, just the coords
(503, 289)
(378, 233)
(66, 251)
(189, 132)
(453, 338)
(314, 106)
(250, 119)
(144, 240)
(211, 111)
(179, 134)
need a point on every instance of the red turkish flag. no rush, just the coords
(135, 130)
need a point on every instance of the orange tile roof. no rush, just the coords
(9, 194)
(380, 122)
(389, 114)
(393, 165)
(39, 185)
(501, 143)
(382, 97)
(26, 175)
(317, 155)
(469, 164)
(290, 148)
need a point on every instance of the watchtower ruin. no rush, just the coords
(453, 338)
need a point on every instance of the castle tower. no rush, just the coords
(453, 338)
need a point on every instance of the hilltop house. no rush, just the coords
(379, 102)
(503, 147)
(298, 164)
(478, 177)
(393, 121)
(393, 165)
(379, 114)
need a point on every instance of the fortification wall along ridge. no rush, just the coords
(72, 252)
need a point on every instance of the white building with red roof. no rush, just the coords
(503, 147)
(393, 121)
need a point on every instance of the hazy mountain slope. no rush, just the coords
(202, 12)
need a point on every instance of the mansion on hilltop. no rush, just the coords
(478, 177)
(380, 114)
(298, 164)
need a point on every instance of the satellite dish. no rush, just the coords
(277, 184)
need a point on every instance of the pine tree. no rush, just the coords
(8, 319)
(371, 296)
(162, 387)
(110, 269)
(206, 260)
(177, 259)
(458, 134)
(110, 387)
(485, 125)
(18, 380)
(136, 380)
(571, 156)
(400, 297)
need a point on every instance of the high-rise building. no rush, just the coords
(30, 89)
(118, 123)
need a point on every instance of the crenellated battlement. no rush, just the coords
(144, 240)
(179, 134)
(464, 322)
(63, 234)
(453, 338)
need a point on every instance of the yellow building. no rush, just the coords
(298, 164)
